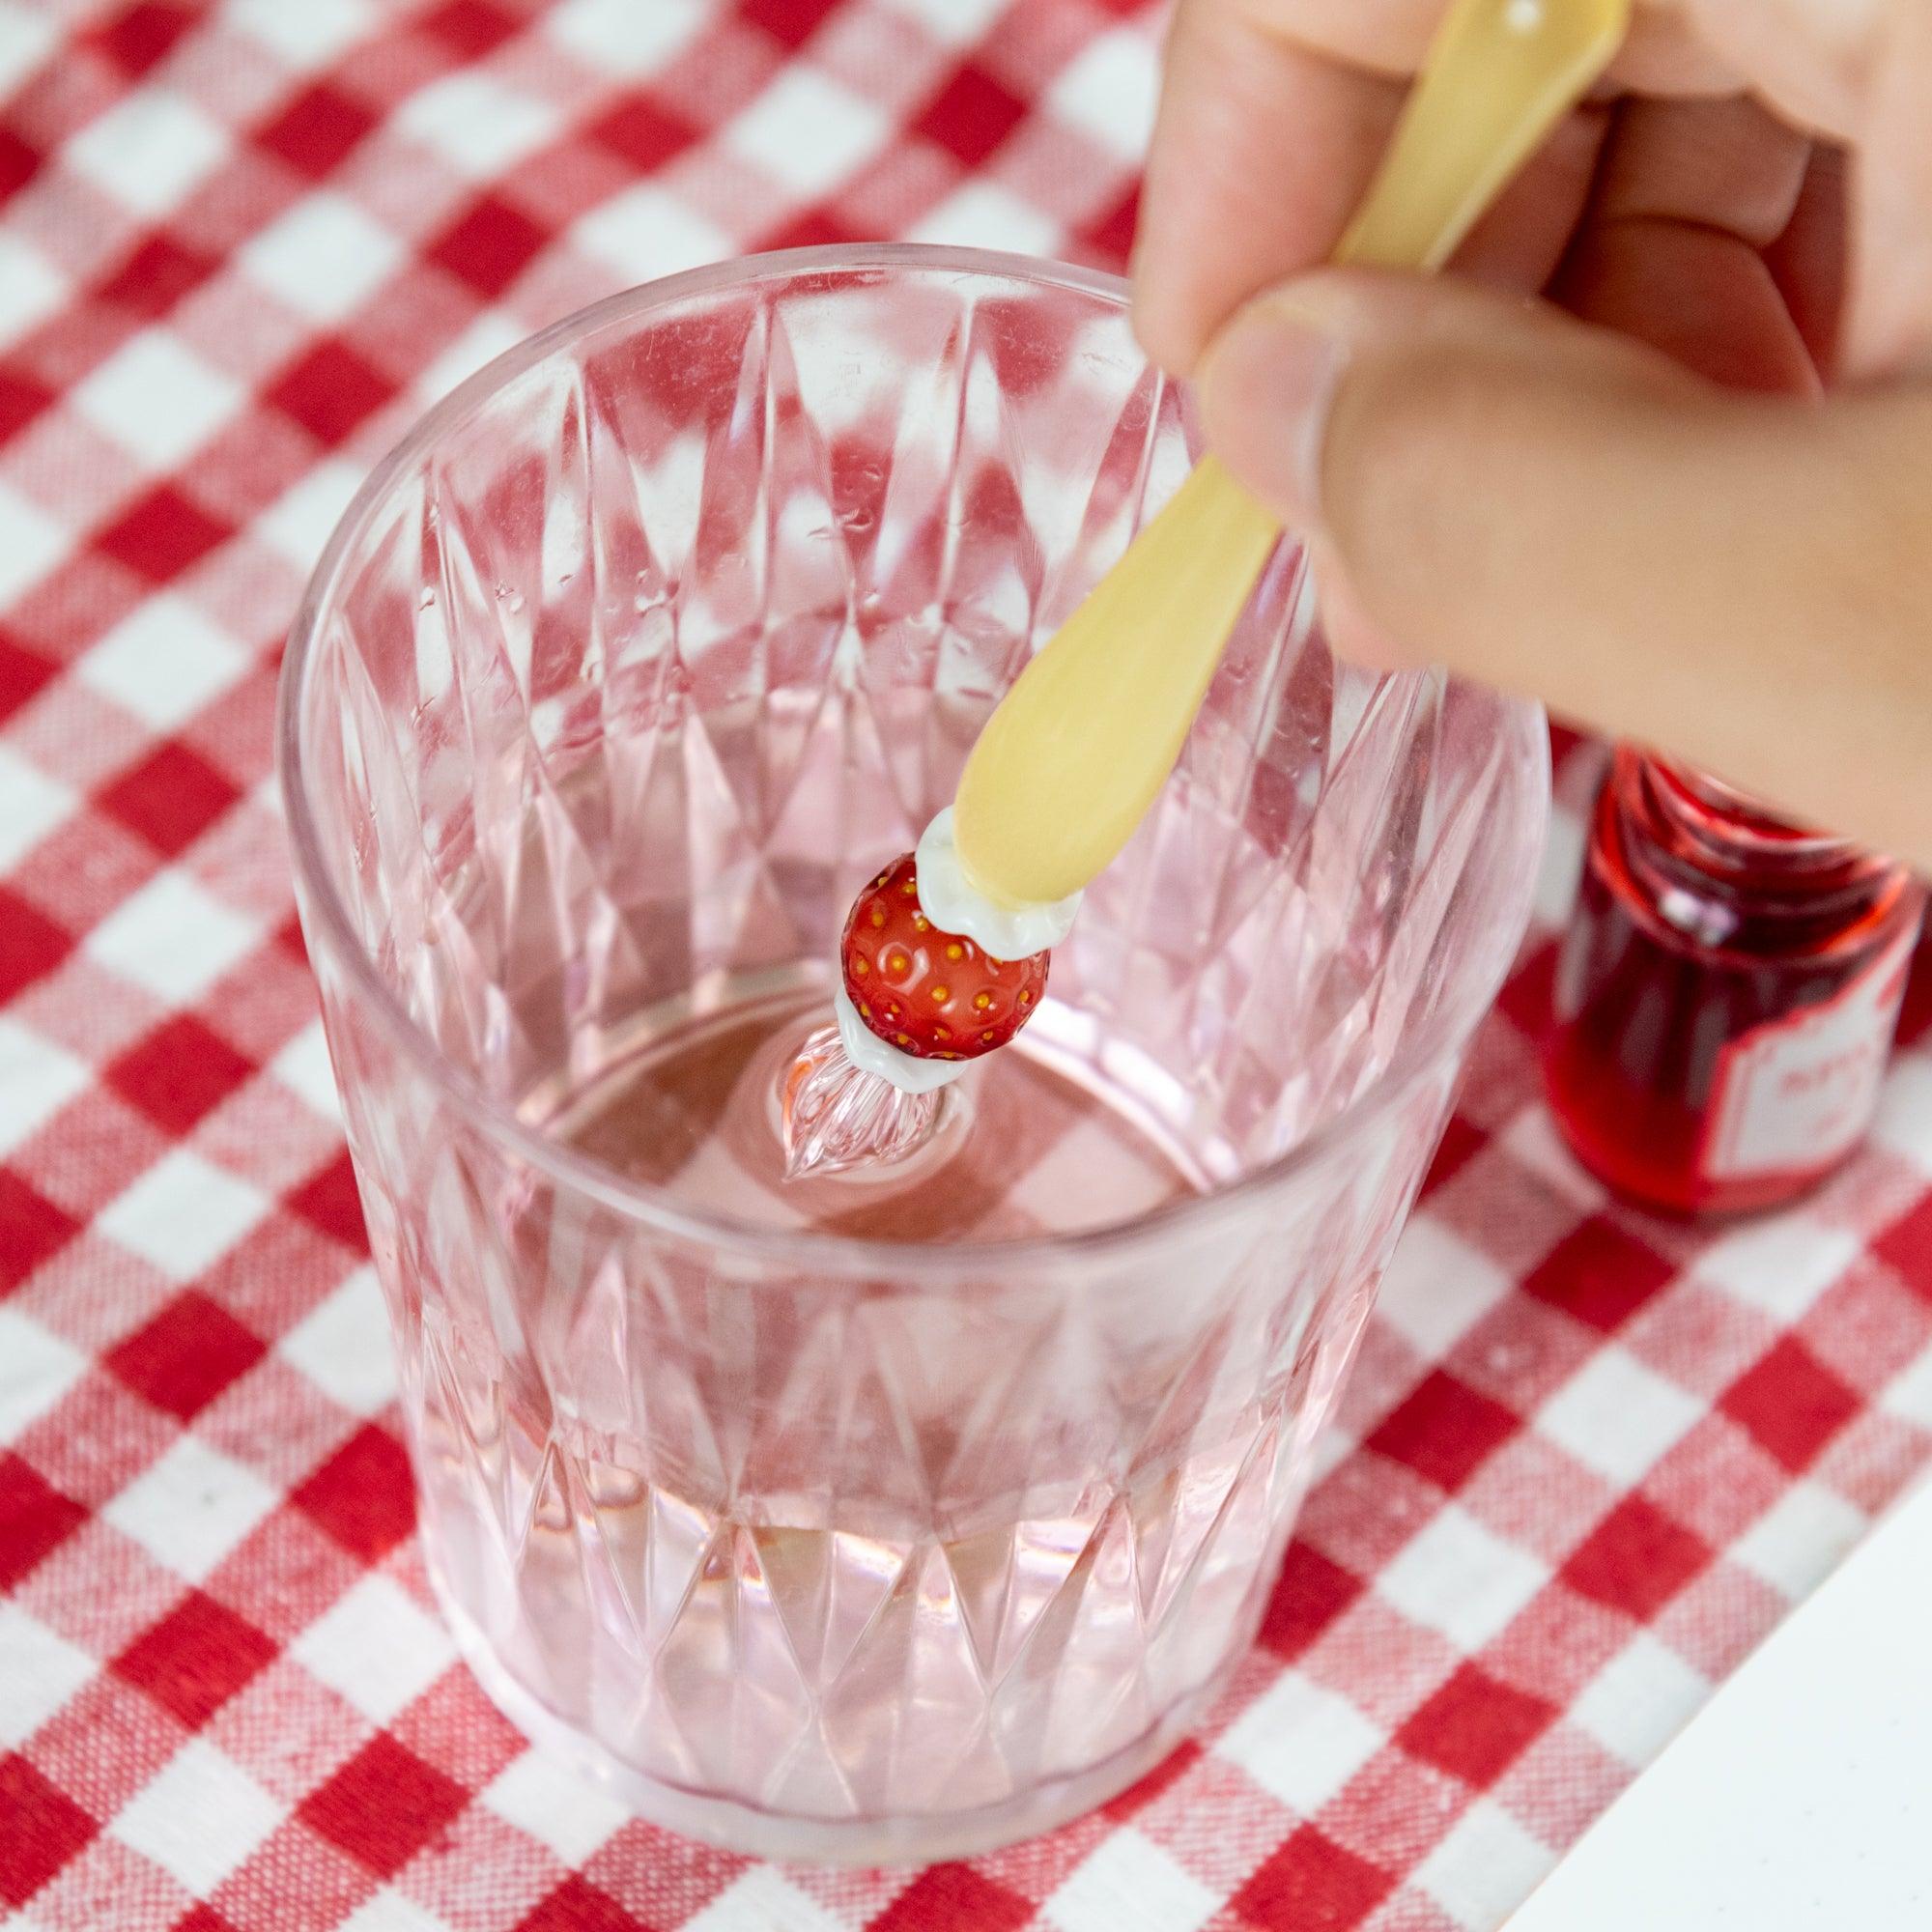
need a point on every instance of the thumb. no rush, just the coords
(1560, 511)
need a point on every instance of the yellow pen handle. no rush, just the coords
(1072, 759)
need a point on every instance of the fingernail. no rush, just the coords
(1266, 384)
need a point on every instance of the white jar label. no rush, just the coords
(1796, 1094)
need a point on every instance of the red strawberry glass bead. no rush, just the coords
(934, 995)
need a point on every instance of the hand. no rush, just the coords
(1632, 497)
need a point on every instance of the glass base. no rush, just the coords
(732, 1827)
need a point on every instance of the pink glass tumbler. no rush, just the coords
(878, 1519)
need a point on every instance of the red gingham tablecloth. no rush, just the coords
(1587, 1459)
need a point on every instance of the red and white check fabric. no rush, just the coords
(1587, 1459)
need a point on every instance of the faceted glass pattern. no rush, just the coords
(617, 682)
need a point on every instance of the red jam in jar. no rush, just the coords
(1727, 994)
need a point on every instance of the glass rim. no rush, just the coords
(811, 1251)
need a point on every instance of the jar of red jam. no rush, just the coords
(1726, 995)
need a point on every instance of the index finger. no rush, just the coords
(1261, 150)
(1273, 115)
